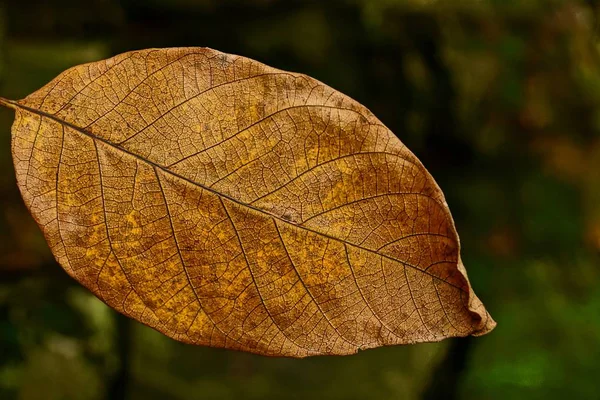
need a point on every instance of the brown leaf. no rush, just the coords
(230, 204)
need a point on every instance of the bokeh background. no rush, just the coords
(500, 99)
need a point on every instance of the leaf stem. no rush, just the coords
(7, 103)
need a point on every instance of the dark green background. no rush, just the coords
(499, 99)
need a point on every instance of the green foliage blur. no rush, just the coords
(500, 100)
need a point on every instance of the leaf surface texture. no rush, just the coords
(230, 204)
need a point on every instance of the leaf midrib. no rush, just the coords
(215, 192)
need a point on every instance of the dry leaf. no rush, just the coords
(230, 204)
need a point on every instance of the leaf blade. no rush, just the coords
(241, 167)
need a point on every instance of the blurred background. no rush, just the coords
(500, 99)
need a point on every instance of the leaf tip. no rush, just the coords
(486, 325)
(485, 322)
